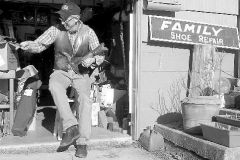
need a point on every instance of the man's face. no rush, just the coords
(71, 24)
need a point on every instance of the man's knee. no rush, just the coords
(85, 98)
(55, 86)
(58, 79)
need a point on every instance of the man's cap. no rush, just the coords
(68, 9)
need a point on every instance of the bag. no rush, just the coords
(151, 140)
(27, 107)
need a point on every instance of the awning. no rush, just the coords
(41, 1)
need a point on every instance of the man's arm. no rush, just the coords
(42, 42)
(94, 43)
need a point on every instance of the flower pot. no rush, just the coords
(196, 110)
(223, 134)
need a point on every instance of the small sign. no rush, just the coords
(179, 31)
(28, 92)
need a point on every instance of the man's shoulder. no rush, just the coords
(59, 27)
(86, 27)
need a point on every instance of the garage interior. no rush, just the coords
(110, 20)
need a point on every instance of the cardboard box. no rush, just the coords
(8, 57)
(109, 96)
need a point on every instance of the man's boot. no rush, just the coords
(81, 151)
(71, 135)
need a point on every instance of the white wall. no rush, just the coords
(212, 6)
(161, 66)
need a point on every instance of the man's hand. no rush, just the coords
(99, 59)
(25, 45)
(88, 62)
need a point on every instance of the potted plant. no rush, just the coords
(202, 102)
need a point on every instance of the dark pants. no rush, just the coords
(26, 107)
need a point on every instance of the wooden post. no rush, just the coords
(202, 69)
(237, 57)
(11, 101)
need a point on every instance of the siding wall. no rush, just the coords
(211, 18)
(162, 67)
(213, 6)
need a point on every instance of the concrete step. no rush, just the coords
(41, 139)
(229, 111)
(51, 147)
(197, 145)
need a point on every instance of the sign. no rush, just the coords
(179, 31)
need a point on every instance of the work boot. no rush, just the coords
(71, 135)
(62, 149)
(81, 151)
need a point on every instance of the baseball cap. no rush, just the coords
(68, 9)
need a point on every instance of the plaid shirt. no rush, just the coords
(50, 35)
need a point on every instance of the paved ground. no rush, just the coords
(129, 153)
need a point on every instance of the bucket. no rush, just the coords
(196, 110)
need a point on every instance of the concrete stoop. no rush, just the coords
(51, 147)
(198, 145)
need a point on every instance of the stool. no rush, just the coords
(58, 126)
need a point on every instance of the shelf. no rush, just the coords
(4, 106)
(8, 74)
(10, 106)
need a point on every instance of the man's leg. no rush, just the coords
(58, 83)
(84, 103)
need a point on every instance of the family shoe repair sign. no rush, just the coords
(179, 31)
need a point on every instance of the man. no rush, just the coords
(73, 38)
